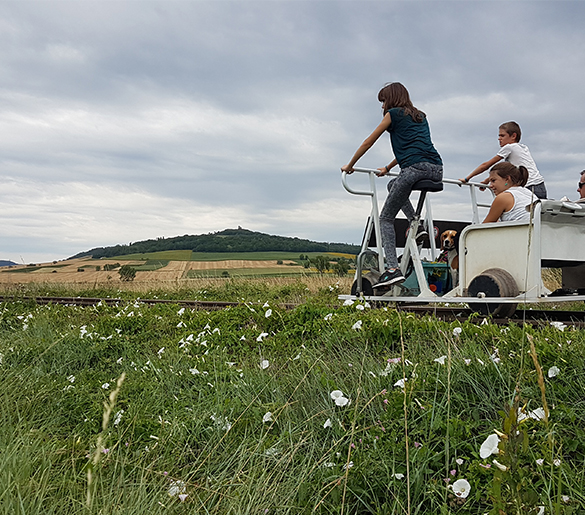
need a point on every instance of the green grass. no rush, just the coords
(195, 395)
(187, 255)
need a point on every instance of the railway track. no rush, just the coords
(447, 313)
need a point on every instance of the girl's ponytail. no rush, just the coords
(523, 175)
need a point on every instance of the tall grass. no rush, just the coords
(190, 432)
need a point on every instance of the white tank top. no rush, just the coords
(522, 197)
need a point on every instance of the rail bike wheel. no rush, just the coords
(493, 282)
(368, 281)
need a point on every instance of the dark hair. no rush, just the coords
(518, 175)
(511, 128)
(394, 94)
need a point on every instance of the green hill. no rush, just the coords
(228, 240)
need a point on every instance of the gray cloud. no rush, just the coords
(121, 121)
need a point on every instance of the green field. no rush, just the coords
(187, 255)
(326, 408)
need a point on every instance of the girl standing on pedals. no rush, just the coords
(507, 182)
(413, 152)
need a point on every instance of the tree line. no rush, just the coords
(228, 240)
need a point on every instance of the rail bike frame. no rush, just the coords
(553, 238)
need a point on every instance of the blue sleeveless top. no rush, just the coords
(411, 141)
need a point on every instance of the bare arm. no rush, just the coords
(502, 203)
(384, 170)
(367, 144)
(482, 168)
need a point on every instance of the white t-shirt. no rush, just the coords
(519, 155)
(522, 198)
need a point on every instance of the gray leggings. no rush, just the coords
(399, 190)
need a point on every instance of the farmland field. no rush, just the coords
(325, 408)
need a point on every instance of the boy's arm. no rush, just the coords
(482, 168)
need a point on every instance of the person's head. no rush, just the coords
(505, 175)
(581, 188)
(509, 133)
(395, 94)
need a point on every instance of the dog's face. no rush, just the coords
(448, 240)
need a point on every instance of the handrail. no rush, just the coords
(373, 173)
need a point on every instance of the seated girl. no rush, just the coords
(507, 182)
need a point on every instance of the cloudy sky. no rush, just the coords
(128, 120)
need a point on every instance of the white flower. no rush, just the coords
(221, 422)
(537, 414)
(105, 386)
(461, 488)
(565, 498)
(71, 379)
(553, 371)
(400, 383)
(541, 510)
(360, 307)
(327, 423)
(489, 446)
(459, 461)
(559, 325)
(177, 487)
(182, 497)
(398, 475)
(348, 302)
(118, 417)
(180, 324)
(457, 331)
(441, 360)
(261, 337)
(357, 325)
(348, 465)
(557, 462)
(328, 317)
(267, 417)
(268, 313)
(264, 364)
(194, 371)
(467, 361)
(181, 311)
(339, 398)
(539, 461)
(503, 468)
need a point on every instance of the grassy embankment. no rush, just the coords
(231, 411)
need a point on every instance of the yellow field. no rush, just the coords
(69, 272)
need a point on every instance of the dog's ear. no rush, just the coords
(456, 239)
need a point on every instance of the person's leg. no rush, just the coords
(398, 198)
(539, 190)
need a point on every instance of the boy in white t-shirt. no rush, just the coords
(515, 153)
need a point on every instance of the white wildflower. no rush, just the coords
(264, 364)
(267, 417)
(461, 488)
(328, 317)
(348, 302)
(118, 417)
(441, 360)
(489, 446)
(457, 331)
(400, 383)
(559, 325)
(268, 313)
(553, 371)
(357, 325)
(327, 423)
(261, 337)
(105, 386)
(177, 487)
(398, 475)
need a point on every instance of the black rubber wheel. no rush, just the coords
(493, 282)
(368, 281)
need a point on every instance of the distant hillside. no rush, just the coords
(229, 240)
(3, 262)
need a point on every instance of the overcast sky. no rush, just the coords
(128, 120)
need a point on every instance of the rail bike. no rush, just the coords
(500, 264)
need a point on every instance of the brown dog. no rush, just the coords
(449, 249)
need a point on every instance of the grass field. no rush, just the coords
(326, 408)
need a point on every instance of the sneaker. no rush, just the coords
(390, 277)
(421, 235)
